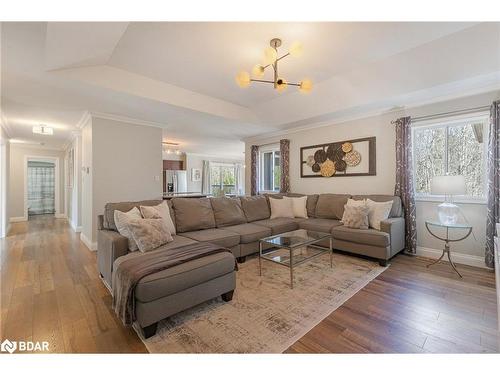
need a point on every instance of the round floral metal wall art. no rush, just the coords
(352, 158)
(316, 167)
(347, 147)
(320, 156)
(310, 161)
(340, 165)
(328, 168)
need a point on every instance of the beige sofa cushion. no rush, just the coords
(397, 207)
(221, 237)
(109, 211)
(371, 237)
(331, 206)
(227, 211)
(319, 225)
(255, 208)
(250, 232)
(193, 214)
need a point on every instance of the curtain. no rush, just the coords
(254, 160)
(206, 183)
(405, 187)
(41, 188)
(285, 166)
(493, 182)
(239, 179)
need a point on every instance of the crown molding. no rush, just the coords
(83, 120)
(5, 125)
(130, 120)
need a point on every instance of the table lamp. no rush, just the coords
(448, 186)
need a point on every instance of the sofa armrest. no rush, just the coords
(110, 246)
(395, 227)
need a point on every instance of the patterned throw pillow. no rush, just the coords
(149, 234)
(159, 212)
(355, 217)
(121, 221)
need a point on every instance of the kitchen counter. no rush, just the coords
(183, 195)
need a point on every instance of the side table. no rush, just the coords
(447, 239)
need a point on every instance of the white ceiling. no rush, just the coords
(181, 75)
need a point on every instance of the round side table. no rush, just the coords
(447, 239)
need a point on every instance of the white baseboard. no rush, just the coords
(60, 216)
(92, 246)
(18, 219)
(77, 229)
(469, 260)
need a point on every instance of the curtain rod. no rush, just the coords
(444, 114)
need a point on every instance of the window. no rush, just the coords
(270, 171)
(455, 147)
(222, 177)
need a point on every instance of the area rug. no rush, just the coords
(265, 315)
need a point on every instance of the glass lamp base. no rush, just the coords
(448, 213)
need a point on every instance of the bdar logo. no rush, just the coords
(8, 346)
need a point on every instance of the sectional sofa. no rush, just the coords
(237, 224)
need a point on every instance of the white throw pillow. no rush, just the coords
(121, 222)
(353, 203)
(281, 208)
(299, 206)
(162, 211)
(377, 212)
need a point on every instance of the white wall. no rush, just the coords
(73, 196)
(4, 182)
(383, 183)
(17, 178)
(196, 161)
(125, 164)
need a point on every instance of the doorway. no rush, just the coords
(41, 189)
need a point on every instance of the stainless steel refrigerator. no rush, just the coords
(176, 181)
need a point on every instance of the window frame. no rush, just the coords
(220, 166)
(447, 122)
(264, 150)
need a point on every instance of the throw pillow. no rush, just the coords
(281, 208)
(355, 217)
(161, 211)
(377, 212)
(149, 234)
(299, 206)
(353, 203)
(121, 221)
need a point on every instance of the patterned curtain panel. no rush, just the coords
(405, 187)
(254, 160)
(285, 166)
(41, 188)
(493, 176)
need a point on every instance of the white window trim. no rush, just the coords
(262, 150)
(482, 116)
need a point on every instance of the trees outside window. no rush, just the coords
(451, 147)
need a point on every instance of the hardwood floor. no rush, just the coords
(51, 292)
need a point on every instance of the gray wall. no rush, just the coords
(125, 165)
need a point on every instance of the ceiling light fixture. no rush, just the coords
(43, 129)
(171, 148)
(271, 58)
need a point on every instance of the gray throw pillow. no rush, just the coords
(355, 217)
(149, 234)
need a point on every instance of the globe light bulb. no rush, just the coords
(270, 55)
(305, 86)
(296, 49)
(282, 85)
(258, 71)
(243, 79)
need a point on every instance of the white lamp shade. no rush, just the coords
(448, 185)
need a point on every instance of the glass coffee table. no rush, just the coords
(293, 248)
